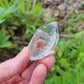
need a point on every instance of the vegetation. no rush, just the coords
(19, 21)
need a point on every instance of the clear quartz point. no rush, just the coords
(44, 41)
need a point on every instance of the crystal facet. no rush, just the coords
(43, 42)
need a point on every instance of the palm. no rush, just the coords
(35, 73)
(27, 74)
(21, 72)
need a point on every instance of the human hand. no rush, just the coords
(19, 70)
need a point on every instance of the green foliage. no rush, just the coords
(4, 12)
(82, 17)
(4, 39)
(73, 18)
(28, 14)
(6, 3)
(22, 15)
(69, 64)
(31, 10)
(51, 20)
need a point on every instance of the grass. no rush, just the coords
(69, 63)
(4, 39)
(19, 20)
(19, 14)
(68, 67)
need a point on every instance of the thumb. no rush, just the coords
(14, 66)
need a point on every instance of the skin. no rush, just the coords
(20, 70)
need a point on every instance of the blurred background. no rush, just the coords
(19, 20)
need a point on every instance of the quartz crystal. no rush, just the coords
(44, 41)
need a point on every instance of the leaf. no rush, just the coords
(1, 10)
(8, 11)
(29, 5)
(60, 53)
(4, 38)
(51, 20)
(22, 6)
(7, 44)
(78, 35)
(13, 1)
(1, 21)
(47, 81)
(56, 79)
(64, 63)
(1, 3)
(67, 77)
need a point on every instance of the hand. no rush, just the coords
(19, 70)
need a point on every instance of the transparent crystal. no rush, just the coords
(43, 42)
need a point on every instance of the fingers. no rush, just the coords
(33, 72)
(39, 74)
(41, 43)
(48, 62)
(43, 67)
(28, 72)
(14, 66)
(41, 70)
(26, 75)
(15, 80)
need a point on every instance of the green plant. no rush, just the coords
(4, 12)
(6, 3)
(33, 14)
(51, 19)
(72, 20)
(4, 39)
(69, 64)
(28, 16)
